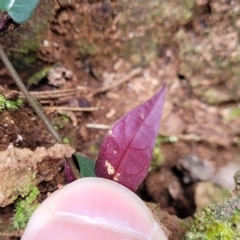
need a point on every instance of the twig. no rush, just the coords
(74, 109)
(189, 137)
(199, 138)
(56, 93)
(59, 91)
(97, 126)
(34, 104)
(132, 74)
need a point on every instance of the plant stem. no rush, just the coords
(35, 105)
(6, 26)
(3, 21)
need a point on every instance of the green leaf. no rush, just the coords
(87, 166)
(19, 10)
(5, 5)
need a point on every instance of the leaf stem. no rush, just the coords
(35, 105)
(3, 21)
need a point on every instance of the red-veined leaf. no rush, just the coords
(126, 152)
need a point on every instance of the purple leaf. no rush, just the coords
(68, 173)
(126, 151)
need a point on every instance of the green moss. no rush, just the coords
(217, 222)
(59, 122)
(25, 207)
(8, 104)
(158, 156)
(211, 95)
(66, 140)
(35, 79)
(187, 9)
(25, 54)
(26, 40)
(29, 46)
(86, 48)
(157, 159)
(64, 118)
(235, 113)
(93, 149)
(167, 139)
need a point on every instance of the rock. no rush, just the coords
(20, 169)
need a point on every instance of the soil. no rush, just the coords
(104, 58)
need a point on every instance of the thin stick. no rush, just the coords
(97, 126)
(34, 104)
(48, 96)
(60, 91)
(74, 109)
(30, 99)
(132, 74)
(56, 93)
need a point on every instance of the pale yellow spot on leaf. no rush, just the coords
(110, 168)
(116, 177)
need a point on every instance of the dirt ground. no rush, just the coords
(90, 62)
